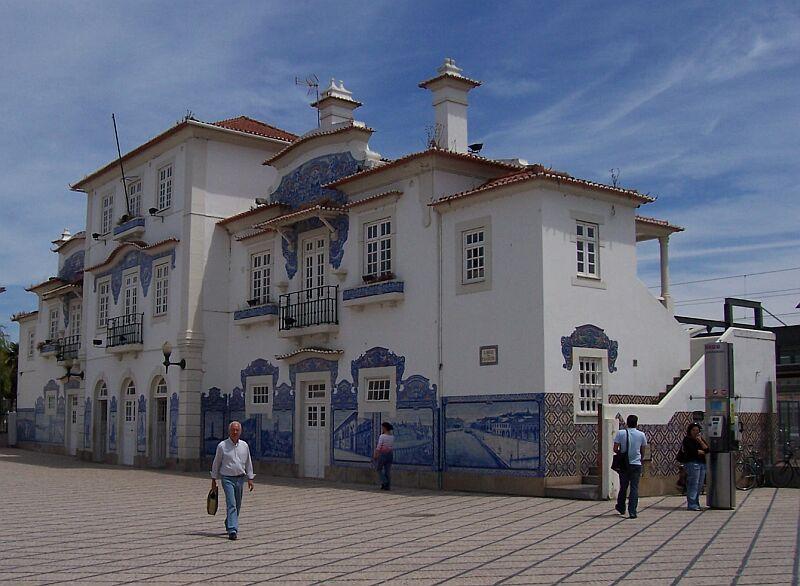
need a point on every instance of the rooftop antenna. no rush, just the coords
(121, 168)
(312, 83)
(614, 176)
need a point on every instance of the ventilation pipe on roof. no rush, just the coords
(335, 105)
(450, 89)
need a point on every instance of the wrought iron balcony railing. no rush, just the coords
(310, 307)
(68, 347)
(124, 330)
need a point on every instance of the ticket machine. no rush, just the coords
(721, 428)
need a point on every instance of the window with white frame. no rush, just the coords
(103, 292)
(315, 391)
(257, 395)
(75, 311)
(378, 389)
(131, 293)
(73, 409)
(161, 286)
(474, 255)
(260, 394)
(260, 277)
(590, 386)
(31, 343)
(52, 331)
(378, 248)
(50, 402)
(586, 243)
(102, 390)
(165, 187)
(161, 388)
(135, 198)
(107, 213)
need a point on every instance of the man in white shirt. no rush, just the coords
(232, 464)
(632, 441)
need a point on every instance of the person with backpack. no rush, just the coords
(693, 457)
(629, 441)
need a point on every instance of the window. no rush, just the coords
(260, 394)
(75, 319)
(131, 293)
(130, 402)
(474, 255)
(135, 198)
(590, 386)
(160, 302)
(102, 390)
(378, 389)
(314, 261)
(51, 402)
(161, 388)
(165, 187)
(52, 331)
(586, 243)
(107, 213)
(260, 275)
(74, 409)
(378, 248)
(315, 391)
(31, 343)
(103, 290)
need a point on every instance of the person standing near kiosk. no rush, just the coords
(630, 441)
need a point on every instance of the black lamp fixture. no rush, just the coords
(68, 364)
(475, 147)
(167, 350)
(155, 213)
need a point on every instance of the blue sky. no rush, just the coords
(696, 103)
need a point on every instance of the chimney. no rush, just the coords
(449, 90)
(335, 105)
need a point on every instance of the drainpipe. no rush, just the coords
(439, 328)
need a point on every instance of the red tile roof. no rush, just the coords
(250, 212)
(77, 236)
(20, 315)
(240, 124)
(539, 172)
(49, 281)
(420, 154)
(252, 126)
(461, 78)
(135, 244)
(303, 139)
(661, 223)
(372, 198)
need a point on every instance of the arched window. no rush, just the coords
(130, 389)
(101, 390)
(160, 389)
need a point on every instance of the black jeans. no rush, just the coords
(629, 478)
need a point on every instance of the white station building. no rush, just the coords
(312, 289)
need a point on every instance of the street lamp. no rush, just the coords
(167, 350)
(68, 364)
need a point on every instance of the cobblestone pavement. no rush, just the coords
(64, 521)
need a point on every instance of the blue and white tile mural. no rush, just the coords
(354, 437)
(494, 432)
(44, 423)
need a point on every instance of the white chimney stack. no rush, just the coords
(335, 105)
(449, 90)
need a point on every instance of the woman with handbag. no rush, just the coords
(384, 456)
(694, 450)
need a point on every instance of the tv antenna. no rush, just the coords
(121, 168)
(312, 83)
(614, 176)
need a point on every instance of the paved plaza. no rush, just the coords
(64, 521)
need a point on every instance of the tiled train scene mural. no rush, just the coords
(45, 423)
(501, 432)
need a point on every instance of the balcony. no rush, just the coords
(48, 348)
(124, 333)
(68, 348)
(129, 228)
(256, 311)
(310, 311)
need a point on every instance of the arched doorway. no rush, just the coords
(100, 442)
(128, 422)
(158, 422)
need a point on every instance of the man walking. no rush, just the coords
(232, 463)
(632, 441)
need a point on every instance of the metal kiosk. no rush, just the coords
(720, 419)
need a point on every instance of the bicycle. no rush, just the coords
(783, 472)
(749, 470)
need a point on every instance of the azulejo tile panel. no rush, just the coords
(494, 433)
(72, 269)
(589, 336)
(303, 185)
(375, 289)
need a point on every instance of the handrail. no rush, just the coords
(309, 307)
(124, 329)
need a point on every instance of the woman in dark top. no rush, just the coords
(694, 450)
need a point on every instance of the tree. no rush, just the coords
(9, 365)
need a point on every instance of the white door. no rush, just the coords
(73, 425)
(315, 429)
(159, 445)
(315, 261)
(129, 426)
(131, 293)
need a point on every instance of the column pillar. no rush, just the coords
(666, 298)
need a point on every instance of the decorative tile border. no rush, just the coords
(266, 309)
(132, 223)
(589, 336)
(374, 289)
(633, 399)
